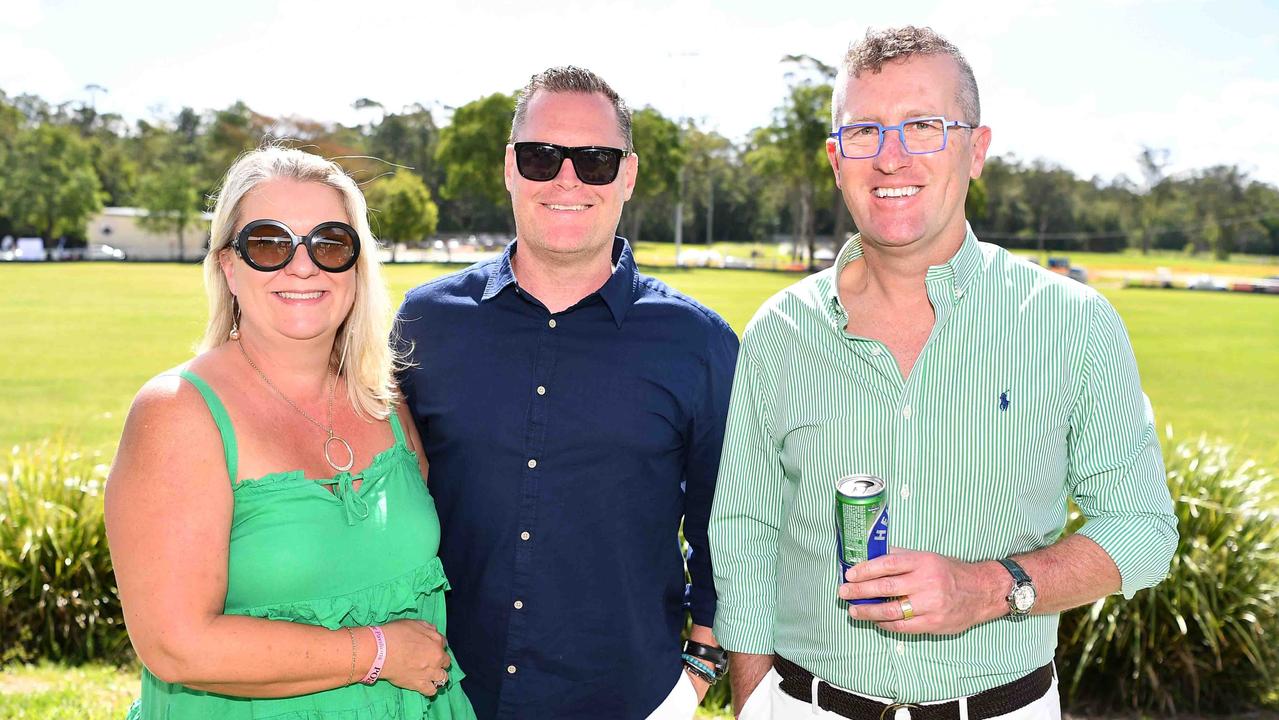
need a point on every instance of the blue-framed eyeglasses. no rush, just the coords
(919, 136)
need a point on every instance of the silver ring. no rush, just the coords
(439, 683)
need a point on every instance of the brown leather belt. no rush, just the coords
(798, 683)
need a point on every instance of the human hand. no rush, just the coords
(416, 657)
(947, 596)
(699, 685)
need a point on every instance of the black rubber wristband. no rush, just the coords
(716, 656)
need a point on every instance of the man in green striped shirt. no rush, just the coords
(984, 390)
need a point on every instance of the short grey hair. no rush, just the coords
(877, 48)
(571, 79)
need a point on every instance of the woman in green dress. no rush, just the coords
(273, 538)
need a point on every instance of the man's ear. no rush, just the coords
(832, 156)
(630, 168)
(981, 144)
(509, 169)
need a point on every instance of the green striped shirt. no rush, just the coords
(1026, 393)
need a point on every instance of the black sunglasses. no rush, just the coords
(594, 164)
(268, 245)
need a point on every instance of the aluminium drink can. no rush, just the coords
(861, 523)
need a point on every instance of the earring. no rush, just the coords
(235, 319)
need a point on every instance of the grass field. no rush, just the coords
(55, 692)
(79, 339)
(1130, 261)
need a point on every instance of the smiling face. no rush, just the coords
(564, 219)
(900, 200)
(299, 301)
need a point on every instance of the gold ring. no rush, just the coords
(908, 611)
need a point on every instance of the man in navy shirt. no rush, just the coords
(572, 412)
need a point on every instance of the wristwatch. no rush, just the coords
(1022, 597)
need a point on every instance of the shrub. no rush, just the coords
(58, 599)
(1207, 637)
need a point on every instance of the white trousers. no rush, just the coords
(681, 704)
(768, 702)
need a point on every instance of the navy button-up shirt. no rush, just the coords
(564, 450)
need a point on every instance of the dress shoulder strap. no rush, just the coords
(395, 427)
(221, 419)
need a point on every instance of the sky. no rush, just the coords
(1084, 84)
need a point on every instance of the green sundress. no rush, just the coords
(346, 558)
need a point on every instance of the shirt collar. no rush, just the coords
(960, 271)
(618, 292)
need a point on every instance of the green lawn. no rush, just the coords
(54, 692)
(79, 339)
(1177, 262)
(663, 254)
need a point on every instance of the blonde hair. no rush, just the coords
(362, 351)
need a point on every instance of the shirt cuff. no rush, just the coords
(745, 630)
(702, 607)
(1140, 545)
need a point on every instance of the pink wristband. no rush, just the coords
(376, 669)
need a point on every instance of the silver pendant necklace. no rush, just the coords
(332, 438)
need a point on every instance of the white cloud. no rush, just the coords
(25, 68)
(20, 14)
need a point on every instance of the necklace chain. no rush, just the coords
(332, 389)
(330, 438)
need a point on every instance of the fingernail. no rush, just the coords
(852, 611)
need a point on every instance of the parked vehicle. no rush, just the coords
(1062, 266)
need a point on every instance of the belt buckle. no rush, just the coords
(890, 711)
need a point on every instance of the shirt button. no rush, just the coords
(906, 412)
(905, 492)
(524, 535)
(532, 464)
(552, 324)
(510, 669)
(876, 351)
(519, 604)
(541, 390)
(901, 650)
(959, 292)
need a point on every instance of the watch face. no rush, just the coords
(1023, 597)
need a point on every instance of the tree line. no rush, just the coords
(60, 163)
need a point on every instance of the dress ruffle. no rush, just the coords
(408, 595)
(381, 465)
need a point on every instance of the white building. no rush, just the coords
(119, 228)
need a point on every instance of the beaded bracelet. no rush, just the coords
(376, 669)
(700, 668)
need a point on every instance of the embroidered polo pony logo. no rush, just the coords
(1004, 402)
